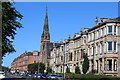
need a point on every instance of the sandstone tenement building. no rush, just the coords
(20, 63)
(100, 43)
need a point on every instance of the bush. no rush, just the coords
(85, 65)
(34, 67)
(49, 70)
(77, 70)
(67, 70)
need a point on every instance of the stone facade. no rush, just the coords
(20, 63)
(100, 43)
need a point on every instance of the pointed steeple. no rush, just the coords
(45, 35)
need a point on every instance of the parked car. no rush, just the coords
(43, 76)
(52, 76)
(2, 75)
(37, 75)
(59, 77)
(30, 75)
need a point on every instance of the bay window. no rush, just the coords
(112, 30)
(109, 30)
(109, 65)
(115, 30)
(111, 46)
(114, 46)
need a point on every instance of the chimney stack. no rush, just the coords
(80, 30)
(69, 37)
(96, 21)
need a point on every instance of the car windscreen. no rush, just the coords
(53, 75)
(59, 75)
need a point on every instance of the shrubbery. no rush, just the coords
(77, 70)
(67, 70)
(85, 65)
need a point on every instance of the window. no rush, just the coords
(77, 55)
(70, 56)
(74, 55)
(62, 48)
(61, 58)
(112, 30)
(105, 31)
(78, 43)
(115, 65)
(109, 30)
(114, 46)
(115, 30)
(84, 52)
(84, 40)
(109, 65)
(92, 36)
(105, 47)
(97, 34)
(109, 46)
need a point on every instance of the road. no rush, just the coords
(16, 77)
(11, 76)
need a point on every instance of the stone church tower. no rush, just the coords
(45, 42)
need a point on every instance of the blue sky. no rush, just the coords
(65, 18)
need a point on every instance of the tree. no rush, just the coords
(49, 70)
(67, 70)
(77, 70)
(85, 65)
(5, 69)
(41, 67)
(33, 68)
(10, 23)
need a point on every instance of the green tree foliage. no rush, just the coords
(10, 24)
(41, 67)
(85, 65)
(34, 67)
(77, 70)
(67, 70)
(5, 69)
(49, 70)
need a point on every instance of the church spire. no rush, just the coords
(45, 34)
